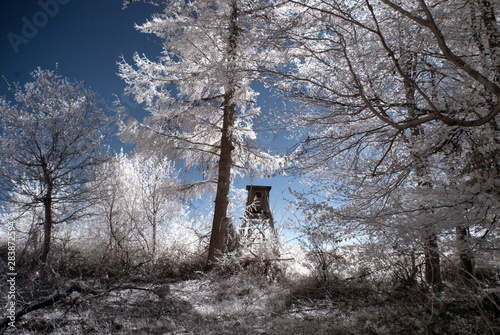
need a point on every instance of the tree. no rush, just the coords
(199, 94)
(51, 142)
(401, 92)
(159, 194)
(138, 197)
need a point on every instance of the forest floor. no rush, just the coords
(193, 306)
(244, 304)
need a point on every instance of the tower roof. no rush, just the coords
(258, 187)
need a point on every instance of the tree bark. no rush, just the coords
(48, 223)
(464, 254)
(154, 237)
(432, 261)
(218, 236)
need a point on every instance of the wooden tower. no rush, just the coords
(258, 223)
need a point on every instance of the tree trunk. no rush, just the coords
(432, 261)
(431, 250)
(154, 237)
(47, 226)
(414, 267)
(492, 33)
(218, 236)
(464, 253)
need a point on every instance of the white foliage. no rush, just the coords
(184, 90)
(139, 201)
(390, 103)
(51, 142)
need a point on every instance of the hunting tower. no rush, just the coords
(258, 222)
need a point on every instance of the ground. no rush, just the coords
(246, 304)
(193, 306)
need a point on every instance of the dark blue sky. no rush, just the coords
(86, 39)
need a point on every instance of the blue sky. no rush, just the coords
(86, 38)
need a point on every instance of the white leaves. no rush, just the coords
(52, 135)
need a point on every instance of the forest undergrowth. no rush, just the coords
(242, 296)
